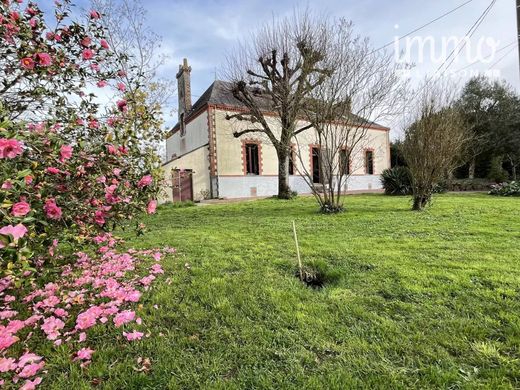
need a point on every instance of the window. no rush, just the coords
(291, 161)
(252, 159)
(344, 162)
(369, 162)
(316, 172)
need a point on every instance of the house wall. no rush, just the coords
(196, 136)
(233, 183)
(197, 161)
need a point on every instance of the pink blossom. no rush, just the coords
(44, 59)
(111, 149)
(87, 54)
(60, 312)
(135, 335)
(124, 317)
(102, 83)
(95, 14)
(6, 340)
(86, 41)
(116, 171)
(52, 210)
(31, 385)
(7, 364)
(4, 314)
(145, 181)
(121, 87)
(31, 370)
(20, 209)
(53, 170)
(99, 217)
(152, 205)
(85, 354)
(65, 152)
(122, 105)
(10, 148)
(82, 337)
(51, 327)
(7, 185)
(104, 44)
(27, 63)
(28, 358)
(16, 232)
(156, 269)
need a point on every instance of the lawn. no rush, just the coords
(414, 300)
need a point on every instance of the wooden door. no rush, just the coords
(182, 185)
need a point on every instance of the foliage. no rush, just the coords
(67, 169)
(434, 141)
(506, 189)
(496, 172)
(397, 181)
(468, 185)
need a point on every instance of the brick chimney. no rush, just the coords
(184, 88)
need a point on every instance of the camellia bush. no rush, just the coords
(68, 168)
(506, 189)
(71, 170)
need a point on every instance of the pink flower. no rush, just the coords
(17, 231)
(44, 59)
(135, 335)
(53, 170)
(7, 185)
(87, 54)
(145, 181)
(52, 210)
(122, 105)
(124, 317)
(6, 340)
(82, 337)
(104, 44)
(28, 358)
(20, 209)
(111, 149)
(152, 205)
(86, 41)
(31, 370)
(102, 83)
(94, 15)
(7, 364)
(31, 385)
(156, 269)
(10, 148)
(121, 87)
(99, 217)
(27, 63)
(85, 354)
(65, 152)
(51, 327)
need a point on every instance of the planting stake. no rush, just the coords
(297, 250)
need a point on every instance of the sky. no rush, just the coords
(205, 31)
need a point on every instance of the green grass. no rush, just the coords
(417, 300)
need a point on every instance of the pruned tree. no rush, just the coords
(362, 87)
(275, 73)
(435, 140)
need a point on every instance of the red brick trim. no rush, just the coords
(373, 160)
(260, 159)
(212, 155)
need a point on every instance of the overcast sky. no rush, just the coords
(205, 30)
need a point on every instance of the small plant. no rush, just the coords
(506, 189)
(397, 181)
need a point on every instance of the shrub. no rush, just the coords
(67, 170)
(506, 189)
(397, 181)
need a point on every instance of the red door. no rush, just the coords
(182, 185)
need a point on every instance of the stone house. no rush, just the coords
(204, 159)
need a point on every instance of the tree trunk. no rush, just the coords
(420, 202)
(471, 173)
(284, 191)
(513, 172)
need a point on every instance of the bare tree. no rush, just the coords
(138, 50)
(435, 139)
(363, 87)
(275, 73)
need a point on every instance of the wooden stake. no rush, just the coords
(297, 250)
